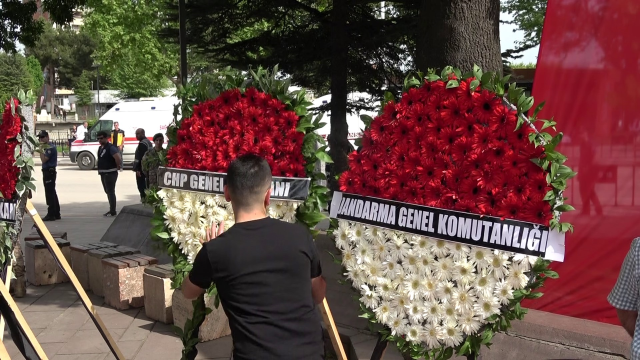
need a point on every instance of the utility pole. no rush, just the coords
(183, 42)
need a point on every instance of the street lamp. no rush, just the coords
(97, 67)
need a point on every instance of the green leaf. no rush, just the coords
(452, 84)
(30, 185)
(474, 84)
(388, 96)
(323, 156)
(534, 295)
(564, 208)
(550, 274)
(549, 195)
(366, 119)
(163, 235)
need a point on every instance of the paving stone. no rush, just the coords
(53, 300)
(139, 329)
(41, 319)
(85, 342)
(50, 349)
(214, 349)
(56, 335)
(160, 346)
(128, 348)
(112, 321)
(159, 327)
(79, 357)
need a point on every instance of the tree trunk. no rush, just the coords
(459, 33)
(338, 137)
(20, 287)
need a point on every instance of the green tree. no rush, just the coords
(129, 49)
(83, 92)
(35, 70)
(527, 16)
(14, 75)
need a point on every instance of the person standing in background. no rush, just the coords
(64, 115)
(109, 162)
(49, 158)
(73, 133)
(81, 131)
(143, 146)
(153, 159)
(117, 138)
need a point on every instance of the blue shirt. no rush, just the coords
(52, 154)
(625, 295)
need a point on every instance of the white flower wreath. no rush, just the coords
(429, 291)
(188, 214)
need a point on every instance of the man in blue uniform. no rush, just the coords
(49, 158)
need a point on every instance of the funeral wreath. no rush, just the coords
(450, 212)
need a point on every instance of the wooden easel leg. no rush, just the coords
(7, 284)
(3, 352)
(380, 349)
(22, 322)
(62, 262)
(332, 330)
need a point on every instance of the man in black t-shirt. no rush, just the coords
(267, 273)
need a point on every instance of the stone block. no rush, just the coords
(123, 280)
(94, 265)
(158, 294)
(35, 236)
(79, 260)
(215, 325)
(41, 267)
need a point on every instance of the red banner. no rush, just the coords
(588, 73)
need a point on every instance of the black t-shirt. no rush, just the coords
(263, 270)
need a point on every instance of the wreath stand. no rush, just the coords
(45, 235)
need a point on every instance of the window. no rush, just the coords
(102, 125)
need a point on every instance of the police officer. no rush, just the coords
(49, 158)
(109, 162)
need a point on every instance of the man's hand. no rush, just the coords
(213, 232)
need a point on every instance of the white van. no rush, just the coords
(153, 115)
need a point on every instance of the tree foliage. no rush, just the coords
(129, 50)
(14, 75)
(17, 23)
(83, 91)
(66, 50)
(527, 16)
(35, 71)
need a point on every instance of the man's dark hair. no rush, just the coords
(158, 136)
(102, 133)
(248, 177)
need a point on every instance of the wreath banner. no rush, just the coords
(456, 226)
(282, 188)
(8, 210)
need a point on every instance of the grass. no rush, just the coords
(521, 65)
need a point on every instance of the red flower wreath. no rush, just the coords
(238, 123)
(453, 149)
(9, 130)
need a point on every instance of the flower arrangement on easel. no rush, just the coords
(225, 115)
(455, 154)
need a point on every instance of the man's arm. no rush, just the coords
(318, 289)
(628, 320)
(191, 291)
(118, 159)
(200, 277)
(121, 146)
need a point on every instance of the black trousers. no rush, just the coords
(141, 181)
(109, 185)
(49, 178)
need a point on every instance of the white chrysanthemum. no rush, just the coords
(445, 290)
(433, 312)
(385, 288)
(480, 257)
(525, 261)
(290, 213)
(449, 311)
(486, 306)
(504, 292)
(342, 236)
(397, 249)
(349, 259)
(451, 334)
(439, 248)
(379, 248)
(357, 232)
(463, 299)
(430, 287)
(431, 336)
(279, 208)
(415, 311)
(410, 263)
(469, 323)
(498, 262)
(374, 269)
(414, 334)
(398, 324)
(369, 297)
(444, 269)
(373, 234)
(484, 285)
(421, 245)
(413, 286)
(391, 269)
(384, 312)
(364, 254)
(458, 251)
(517, 277)
(427, 265)
(401, 301)
(463, 272)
